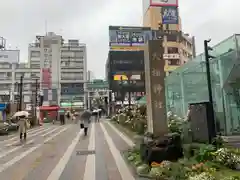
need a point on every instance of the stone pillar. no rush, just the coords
(155, 88)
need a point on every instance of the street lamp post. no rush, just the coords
(20, 93)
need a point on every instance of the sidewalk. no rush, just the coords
(55, 152)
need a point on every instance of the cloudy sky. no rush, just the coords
(22, 20)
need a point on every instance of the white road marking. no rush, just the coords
(57, 128)
(123, 136)
(16, 136)
(121, 165)
(8, 164)
(59, 168)
(5, 153)
(29, 136)
(90, 171)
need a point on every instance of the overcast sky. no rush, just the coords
(88, 20)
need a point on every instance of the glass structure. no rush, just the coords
(188, 84)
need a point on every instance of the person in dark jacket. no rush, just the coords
(85, 120)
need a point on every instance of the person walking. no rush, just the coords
(68, 115)
(85, 121)
(23, 125)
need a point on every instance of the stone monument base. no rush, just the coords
(158, 149)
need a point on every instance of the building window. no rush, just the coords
(173, 50)
(172, 38)
(35, 66)
(173, 62)
(35, 53)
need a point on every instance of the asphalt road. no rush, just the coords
(54, 152)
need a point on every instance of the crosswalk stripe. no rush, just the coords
(90, 171)
(59, 168)
(8, 164)
(5, 153)
(121, 165)
(29, 136)
(17, 135)
(55, 129)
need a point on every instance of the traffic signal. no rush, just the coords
(207, 49)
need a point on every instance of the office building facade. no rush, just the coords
(163, 18)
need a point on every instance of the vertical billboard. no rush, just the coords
(46, 70)
(46, 78)
(128, 38)
(163, 3)
(169, 15)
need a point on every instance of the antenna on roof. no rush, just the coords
(46, 27)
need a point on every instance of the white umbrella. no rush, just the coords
(21, 113)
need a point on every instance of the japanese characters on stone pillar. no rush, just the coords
(155, 88)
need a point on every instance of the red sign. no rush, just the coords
(46, 78)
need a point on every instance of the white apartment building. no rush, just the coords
(10, 74)
(62, 66)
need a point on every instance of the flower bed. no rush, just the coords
(206, 164)
(201, 161)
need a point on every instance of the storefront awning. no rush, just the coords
(48, 108)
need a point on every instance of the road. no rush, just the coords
(54, 152)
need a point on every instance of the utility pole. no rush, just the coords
(36, 97)
(129, 91)
(209, 85)
(122, 90)
(20, 93)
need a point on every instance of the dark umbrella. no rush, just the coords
(86, 114)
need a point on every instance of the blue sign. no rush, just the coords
(169, 15)
(128, 36)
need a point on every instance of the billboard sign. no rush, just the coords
(128, 36)
(132, 81)
(72, 88)
(159, 34)
(171, 56)
(163, 3)
(126, 61)
(10, 56)
(170, 15)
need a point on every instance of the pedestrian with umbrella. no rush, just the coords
(23, 124)
(85, 120)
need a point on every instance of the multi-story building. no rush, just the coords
(179, 47)
(10, 74)
(90, 76)
(63, 68)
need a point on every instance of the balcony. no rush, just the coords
(32, 45)
(71, 80)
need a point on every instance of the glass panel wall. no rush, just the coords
(188, 84)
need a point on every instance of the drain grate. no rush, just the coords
(84, 153)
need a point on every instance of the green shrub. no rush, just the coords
(205, 153)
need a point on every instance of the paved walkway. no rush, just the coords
(54, 152)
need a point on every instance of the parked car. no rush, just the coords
(4, 128)
(12, 125)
